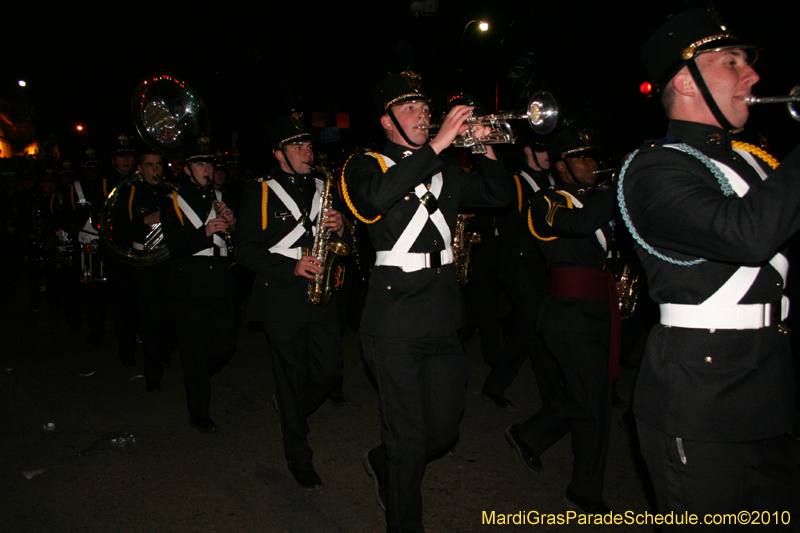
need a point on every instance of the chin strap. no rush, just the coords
(288, 163)
(710, 102)
(400, 129)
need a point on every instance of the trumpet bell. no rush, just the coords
(542, 112)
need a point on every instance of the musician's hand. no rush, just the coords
(333, 221)
(225, 212)
(215, 226)
(153, 218)
(478, 132)
(307, 267)
(452, 126)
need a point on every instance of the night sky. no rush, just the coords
(82, 65)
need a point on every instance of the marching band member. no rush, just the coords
(200, 279)
(713, 399)
(275, 231)
(576, 319)
(137, 210)
(409, 196)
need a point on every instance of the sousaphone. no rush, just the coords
(166, 111)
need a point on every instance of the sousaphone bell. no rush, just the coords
(166, 111)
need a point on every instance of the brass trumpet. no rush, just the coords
(541, 113)
(794, 96)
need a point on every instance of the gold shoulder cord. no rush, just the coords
(758, 152)
(519, 193)
(346, 195)
(264, 193)
(550, 214)
(175, 204)
(130, 202)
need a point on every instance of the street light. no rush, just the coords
(482, 24)
(22, 83)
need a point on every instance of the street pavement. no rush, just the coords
(60, 397)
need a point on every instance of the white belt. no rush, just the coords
(209, 252)
(291, 253)
(137, 246)
(411, 262)
(742, 316)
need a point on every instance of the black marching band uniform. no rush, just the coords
(714, 395)
(571, 224)
(136, 200)
(523, 273)
(201, 284)
(410, 199)
(278, 219)
(120, 293)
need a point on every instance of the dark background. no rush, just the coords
(82, 64)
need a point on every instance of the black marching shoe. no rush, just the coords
(308, 479)
(498, 399)
(204, 426)
(587, 506)
(526, 455)
(380, 484)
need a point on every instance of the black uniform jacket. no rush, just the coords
(135, 201)
(713, 385)
(512, 222)
(567, 238)
(195, 277)
(278, 294)
(425, 303)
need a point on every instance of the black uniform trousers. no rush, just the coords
(207, 340)
(307, 363)
(748, 476)
(156, 320)
(583, 406)
(124, 307)
(525, 284)
(422, 389)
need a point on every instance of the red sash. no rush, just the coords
(592, 284)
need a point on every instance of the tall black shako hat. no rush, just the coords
(570, 141)
(398, 89)
(680, 40)
(198, 150)
(288, 129)
(122, 145)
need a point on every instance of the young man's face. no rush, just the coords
(123, 163)
(199, 171)
(220, 175)
(151, 166)
(299, 155)
(583, 170)
(410, 115)
(730, 79)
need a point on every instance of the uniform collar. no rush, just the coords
(712, 140)
(397, 152)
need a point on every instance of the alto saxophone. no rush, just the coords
(628, 288)
(462, 249)
(328, 250)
